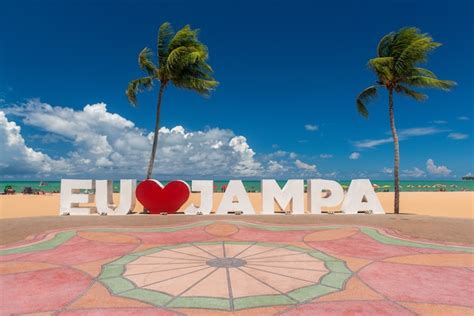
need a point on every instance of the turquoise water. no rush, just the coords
(254, 185)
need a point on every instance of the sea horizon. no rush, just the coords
(254, 185)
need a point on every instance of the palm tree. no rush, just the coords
(396, 68)
(182, 61)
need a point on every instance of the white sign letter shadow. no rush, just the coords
(206, 188)
(361, 197)
(235, 199)
(292, 194)
(315, 194)
(71, 197)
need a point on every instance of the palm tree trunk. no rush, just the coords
(396, 154)
(157, 128)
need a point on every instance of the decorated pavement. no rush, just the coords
(235, 268)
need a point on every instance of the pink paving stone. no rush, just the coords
(361, 246)
(118, 312)
(182, 236)
(41, 290)
(12, 257)
(354, 308)
(80, 251)
(423, 284)
(251, 234)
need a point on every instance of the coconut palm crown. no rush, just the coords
(181, 61)
(396, 68)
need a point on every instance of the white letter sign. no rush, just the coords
(235, 199)
(315, 199)
(361, 197)
(292, 194)
(71, 197)
(206, 188)
(104, 197)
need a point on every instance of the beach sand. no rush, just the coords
(445, 204)
(438, 216)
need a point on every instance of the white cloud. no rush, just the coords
(331, 174)
(403, 134)
(436, 170)
(419, 131)
(354, 156)
(413, 173)
(440, 122)
(105, 143)
(463, 118)
(101, 144)
(275, 167)
(311, 127)
(19, 159)
(371, 143)
(325, 156)
(304, 166)
(387, 170)
(458, 136)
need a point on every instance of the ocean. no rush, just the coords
(254, 185)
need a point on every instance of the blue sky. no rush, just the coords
(289, 74)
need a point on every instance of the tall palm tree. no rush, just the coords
(396, 68)
(182, 61)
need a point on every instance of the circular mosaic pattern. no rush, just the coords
(225, 275)
(226, 262)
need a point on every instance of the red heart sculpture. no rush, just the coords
(157, 199)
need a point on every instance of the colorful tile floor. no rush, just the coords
(234, 268)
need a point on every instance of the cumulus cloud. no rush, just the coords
(311, 127)
(463, 118)
(436, 170)
(305, 166)
(106, 143)
(354, 156)
(18, 159)
(413, 173)
(94, 142)
(275, 167)
(458, 136)
(387, 170)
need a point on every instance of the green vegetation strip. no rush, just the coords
(59, 239)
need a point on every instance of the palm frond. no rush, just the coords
(384, 46)
(182, 57)
(136, 86)
(185, 37)
(365, 96)
(382, 66)
(202, 86)
(428, 82)
(402, 39)
(414, 53)
(417, 71)
(411, 93)
(165, 34)
(145, 63)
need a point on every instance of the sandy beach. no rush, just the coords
(444, 204)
